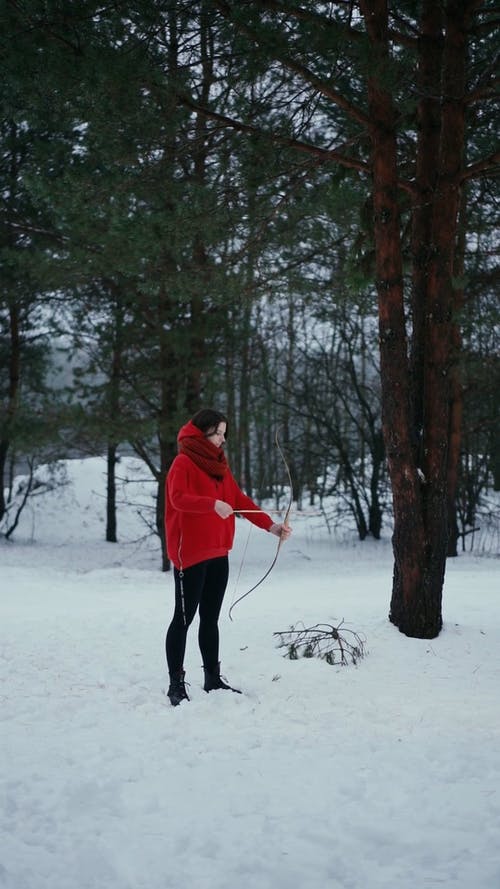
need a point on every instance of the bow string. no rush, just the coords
(285, 524)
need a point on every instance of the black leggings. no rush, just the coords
(201, 586)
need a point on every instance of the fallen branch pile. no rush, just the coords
(323, 641)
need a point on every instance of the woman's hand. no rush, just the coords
(282, 531)
(223, 509)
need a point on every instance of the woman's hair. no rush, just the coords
(208, 420)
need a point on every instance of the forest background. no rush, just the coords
(287, 211)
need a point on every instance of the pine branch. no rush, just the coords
(323, 155)
(323, 641)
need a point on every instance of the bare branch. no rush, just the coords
(488, 166)
(323, 155)
(323, 641)
(298, 68)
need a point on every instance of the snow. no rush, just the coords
(384, 775)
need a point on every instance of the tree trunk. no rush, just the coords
(4, 448)
(169, 386)
(416, 605)
(111, 494)
(160, 521)
(14, 349)
(114, 410)
(416, 388)
(408, 538)
(456, 389)
(12, 398)
(375, 515)
(417, 611)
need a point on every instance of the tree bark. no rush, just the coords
(456, 386)
(408, 610)
(111, 494)
(12, 398)
(416, 395)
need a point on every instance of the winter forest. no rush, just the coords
(286, 211)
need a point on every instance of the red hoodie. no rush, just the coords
(194, 530)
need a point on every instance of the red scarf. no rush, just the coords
(206, 455)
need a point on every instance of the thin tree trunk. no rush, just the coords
(456, 388)
(114, 407)
(160, 513)
(14, 361)
(12, 398)
(4, 449)
(111, 494)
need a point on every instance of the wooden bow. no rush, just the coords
(280, 541)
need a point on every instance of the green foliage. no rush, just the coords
(187, 261)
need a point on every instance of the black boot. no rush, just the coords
(177, 689)
(213, 680)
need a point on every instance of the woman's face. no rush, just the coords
(218, 436)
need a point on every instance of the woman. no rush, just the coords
(201, 499)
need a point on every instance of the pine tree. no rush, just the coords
(391, 91)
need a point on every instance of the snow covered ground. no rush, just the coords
(381, 776)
